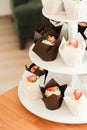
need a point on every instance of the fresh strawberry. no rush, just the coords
(32, 78)
(74, 43)
(77, 94)
(53, 88)
(35, 67)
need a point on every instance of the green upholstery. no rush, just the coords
(27, 15)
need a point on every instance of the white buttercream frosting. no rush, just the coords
(47, 42)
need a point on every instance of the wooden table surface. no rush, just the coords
(14, 116)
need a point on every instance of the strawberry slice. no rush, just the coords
(53, 88)
(32, 78)
(74, 43)
(77, 94)
(35, 67)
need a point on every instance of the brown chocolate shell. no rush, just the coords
(58, 29)
(45, 27)
(47, 52)
(82, 29)
(53, 102)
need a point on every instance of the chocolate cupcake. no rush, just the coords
(47, 47)
(53, 94)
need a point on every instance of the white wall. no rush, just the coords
(5, 7)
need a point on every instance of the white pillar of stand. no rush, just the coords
(72, 29)
(72, 32)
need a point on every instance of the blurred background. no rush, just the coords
(12, 58)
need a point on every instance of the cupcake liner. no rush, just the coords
(46, 52)
(72, 56)
(82, 30)
(42, 29)
(32, 90)
(75, 9)
(75, 107)
(52, 7)
(53, 102)
(85, 32)
(69, 8)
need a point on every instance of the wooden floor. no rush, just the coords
(12, 59)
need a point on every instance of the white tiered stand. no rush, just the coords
(57, 66)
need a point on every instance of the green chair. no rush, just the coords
(27, 14)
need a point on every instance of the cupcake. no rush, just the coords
(31, 86)
(72, 51)
(75, 9)
(76, 101)
(52, 7)
(47, 47)
(42, 73)
(53, 94)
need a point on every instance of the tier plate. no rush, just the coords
(61, 17)
(38, 108)
(58, 66)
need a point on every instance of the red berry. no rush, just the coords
(77, 94)
(53, 88)
(74, 43)
(31, 78)
(35, 67)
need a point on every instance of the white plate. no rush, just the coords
(38, 108)
(57, 65)
(61, 17)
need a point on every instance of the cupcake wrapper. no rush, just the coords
(74, 108)
(46, 52)
(52, 7)
(53, 102)
(85, 32)
(82, 30)
(77, 109)
(70, 55)
(75, 9)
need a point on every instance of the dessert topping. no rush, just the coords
(35, 67)
(32, 78)
(73, 42)
(52, 90)
(77, 94)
